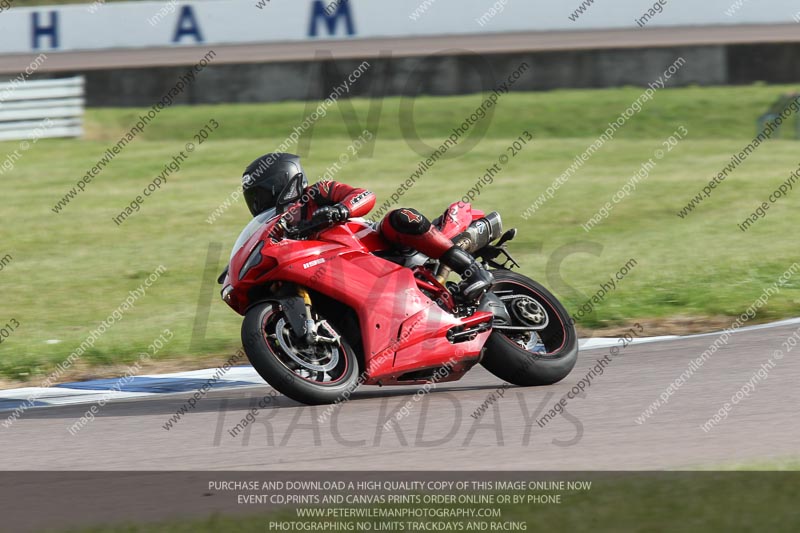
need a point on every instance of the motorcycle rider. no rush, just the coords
(277, 180)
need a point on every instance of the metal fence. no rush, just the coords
(23, 107)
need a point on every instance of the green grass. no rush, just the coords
(708, 112)
(72, 269)
(710, 502)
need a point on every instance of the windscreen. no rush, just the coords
(251, 228)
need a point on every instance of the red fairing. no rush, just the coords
(458, 217)
(403, 329)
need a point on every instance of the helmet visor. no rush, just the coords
(259, 199)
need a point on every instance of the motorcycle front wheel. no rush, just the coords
(320, 373)
(528, 357)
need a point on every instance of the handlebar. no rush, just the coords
(303, 229)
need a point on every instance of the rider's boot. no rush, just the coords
(476, 279)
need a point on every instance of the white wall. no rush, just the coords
(125, 25)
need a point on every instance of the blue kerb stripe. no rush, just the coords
(153, 385)
(9, 404)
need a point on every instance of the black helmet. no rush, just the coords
(273, 180)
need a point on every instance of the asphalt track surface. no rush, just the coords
(410, 46)
(439, 433)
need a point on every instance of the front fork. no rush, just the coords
(313, 327)
(311, 324)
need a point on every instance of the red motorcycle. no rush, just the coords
(327, 309)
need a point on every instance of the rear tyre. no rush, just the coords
(313, 375)
(542, 357)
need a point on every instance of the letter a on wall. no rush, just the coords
(187, 26)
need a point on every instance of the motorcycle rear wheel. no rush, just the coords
(316, 375)
(522, 361)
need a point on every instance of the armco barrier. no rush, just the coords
(23, 107)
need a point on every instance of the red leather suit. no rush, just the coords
(404, 227)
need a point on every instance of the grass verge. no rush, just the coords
(70, 270)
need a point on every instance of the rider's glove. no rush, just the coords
(322, 218)
(329, 215)
(342, 213)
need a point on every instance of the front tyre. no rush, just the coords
(524, 357)
(311, 374)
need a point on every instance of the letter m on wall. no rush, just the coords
(321, 13)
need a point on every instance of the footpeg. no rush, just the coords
(459, 334)
(334, 337)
